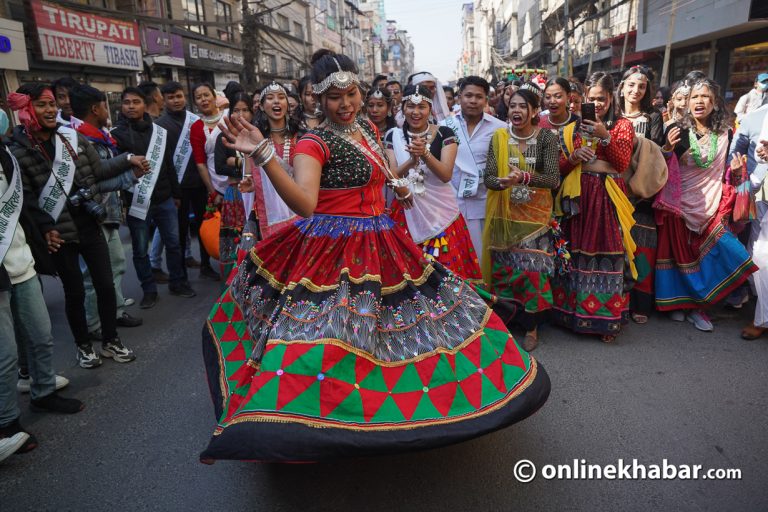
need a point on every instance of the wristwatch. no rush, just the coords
(129, 156)
(606, 141)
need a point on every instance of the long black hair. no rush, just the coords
(720, 120)
(261, 120)
(605, 82)
(532, 100)
(237, 96)
(646, 103)
(324, 63)
(413, 89)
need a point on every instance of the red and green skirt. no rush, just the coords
(522, 276)
(338, 338)
(453, 248)
(593, 297)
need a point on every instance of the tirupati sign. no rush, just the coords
(67, 35)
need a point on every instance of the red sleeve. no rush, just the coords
(563, 163)
(312, 145)
(197, 138)
(619, 152)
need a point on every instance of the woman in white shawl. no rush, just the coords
(425, 154)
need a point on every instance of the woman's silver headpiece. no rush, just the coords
(416, 99)
(339, 79)
(271, 88)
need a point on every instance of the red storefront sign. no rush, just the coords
(67, 35)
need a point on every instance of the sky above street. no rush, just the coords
(435, 30)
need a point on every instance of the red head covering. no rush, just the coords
(22, 104)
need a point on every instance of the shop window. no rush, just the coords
(223, 13)
(194, 11)
(683, 64)
(746, 63)
(270, 64)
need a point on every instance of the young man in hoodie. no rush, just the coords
(59, 170)
(155, 197)
(90, 105)
(23, 314)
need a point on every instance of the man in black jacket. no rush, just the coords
(155, 197)
(177, 120)
(23, 314)
(59, 170)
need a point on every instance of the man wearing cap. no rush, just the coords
(754, 99)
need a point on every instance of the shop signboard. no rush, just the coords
(164, 48)
(13, 49)
(76, 37)
(213, 57)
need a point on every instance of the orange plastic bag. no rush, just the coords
(209, 234)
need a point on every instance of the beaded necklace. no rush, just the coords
(420, 172)
(696, 149)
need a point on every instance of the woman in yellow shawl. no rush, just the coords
(518, 250)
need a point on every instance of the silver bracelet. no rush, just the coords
(258, 147)
(406, 196)
(262, 160)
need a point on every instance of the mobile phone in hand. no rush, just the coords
(588, 112)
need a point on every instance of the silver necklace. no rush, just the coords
(286, 152)
(521, 139)
(213, 119)
(338, 129)
(420, 134)
(553, 123)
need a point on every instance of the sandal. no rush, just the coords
(531, 340)
(639, 318)
(752, 332)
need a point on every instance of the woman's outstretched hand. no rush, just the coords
(240, 135)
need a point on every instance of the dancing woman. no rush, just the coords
(556, 100)
(518, 249)
(593, 297)
(699, 261)
(337, 337)
(425, 154)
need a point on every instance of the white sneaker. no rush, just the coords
(23, 385)
(677, 315)
(700, 320)
(129, 302)
(9, 445)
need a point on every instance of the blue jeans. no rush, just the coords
(23, 313)
(156, 252)
(166, 220)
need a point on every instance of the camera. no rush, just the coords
(84, 198)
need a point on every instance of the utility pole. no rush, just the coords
(668, 49)
(250, 47)
(566, 67)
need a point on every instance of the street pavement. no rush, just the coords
(663, 391)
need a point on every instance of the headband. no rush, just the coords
(424, 76)
(376, 94)
(528, 86)
(638, 76)
(340, 79)
(271, 88)
(22, 104)
(416, 99)
(684, 88)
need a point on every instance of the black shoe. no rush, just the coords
(192, 262)
(160, 276)
(208, 273)
(56, 403)
(126, 320)
(14, 428)
(95, 335)
(182, 290)
(149, 300)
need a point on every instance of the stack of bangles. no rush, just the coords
(262, 153)
(526, 178)
(398, 183)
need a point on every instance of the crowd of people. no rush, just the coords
(400, 221)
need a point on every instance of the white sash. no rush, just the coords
(142, 194)
(432, 211)
(56, 190)
(183, 151)
(10, 209)
(465, 160)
